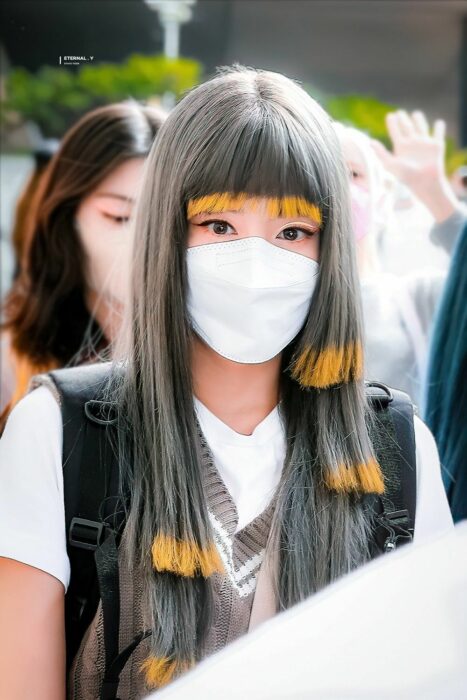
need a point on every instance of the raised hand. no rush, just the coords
(416, 153)
(417, 160)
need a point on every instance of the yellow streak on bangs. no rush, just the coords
(185, 558)
(365, 477)
(160, 671)
(275, 206)
(333, 365)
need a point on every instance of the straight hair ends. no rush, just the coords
(185, 558)
(266, 137)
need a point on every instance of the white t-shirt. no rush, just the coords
(250, 465)
(32, 519)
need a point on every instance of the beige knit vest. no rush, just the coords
(234, 592)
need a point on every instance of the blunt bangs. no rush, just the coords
(260, 149)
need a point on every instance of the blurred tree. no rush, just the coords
(363, 112)
(454, 157)
(54, 98)
(139, 77)
(49, 98)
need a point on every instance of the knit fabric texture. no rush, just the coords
(242, 554)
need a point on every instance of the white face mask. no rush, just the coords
(248, 299)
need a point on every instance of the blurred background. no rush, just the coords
(360, 59)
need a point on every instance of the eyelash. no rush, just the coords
(206, 223)
(117, 219)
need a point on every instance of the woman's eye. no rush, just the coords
(294, 234)
(117, 219)
(220, 228)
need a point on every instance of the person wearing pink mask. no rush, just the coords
(399, 309)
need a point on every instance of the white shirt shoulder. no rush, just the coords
(32, 513)
(432, 514)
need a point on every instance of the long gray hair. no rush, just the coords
(255, 132)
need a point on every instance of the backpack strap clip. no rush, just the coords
(397, 527)
(86, 534)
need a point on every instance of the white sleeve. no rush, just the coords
(432, 515)
(32, 513)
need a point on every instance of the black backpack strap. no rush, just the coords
(93, 512)
(109, 586)
(112, 674)
(392, 433)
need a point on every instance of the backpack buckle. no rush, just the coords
(396, 525)
(86, 534)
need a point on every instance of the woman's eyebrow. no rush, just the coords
(113, 195)
(211, 213)
(298, 220)
(298, 217)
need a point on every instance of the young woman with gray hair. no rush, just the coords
(241, 417)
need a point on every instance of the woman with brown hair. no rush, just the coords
(65, 305)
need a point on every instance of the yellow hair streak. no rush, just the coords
(160, 671)
(185, 558)
(275, 206)
(322, 369)
(365, 477)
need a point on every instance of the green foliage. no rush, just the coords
(363, 112)
(49, 98)
(55, 97)
(454, 158)
(140, 77)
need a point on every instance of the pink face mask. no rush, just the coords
(360, 202)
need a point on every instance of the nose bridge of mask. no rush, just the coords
(254, 262)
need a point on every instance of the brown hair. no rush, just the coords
(25, 209)
(45, 311)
